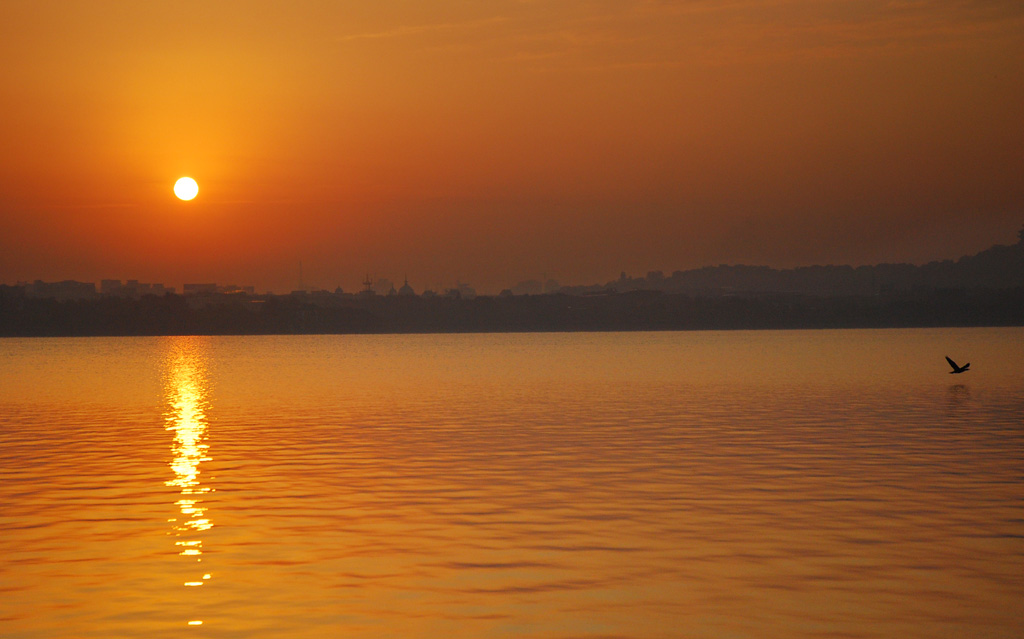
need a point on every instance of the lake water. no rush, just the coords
(702, 484)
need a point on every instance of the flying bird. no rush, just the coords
(956, 367)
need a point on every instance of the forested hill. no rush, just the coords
(999, 267)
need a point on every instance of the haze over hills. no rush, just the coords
(1000, 266)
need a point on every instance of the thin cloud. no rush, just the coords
(715, 33)
(59, 206)
(414, 30)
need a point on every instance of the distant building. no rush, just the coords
(528, 287)
(384, 286)
(406, 290)
(461, 291)
(65, 290)
(368, 288)
(235, 289)
(132, 288)
(110, 287)
(199, 289)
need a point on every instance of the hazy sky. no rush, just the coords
(498, 141)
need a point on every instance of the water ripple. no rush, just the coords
(493, 486)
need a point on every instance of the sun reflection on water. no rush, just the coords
(186, 389)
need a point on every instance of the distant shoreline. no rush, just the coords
(632, 311)
(986, 289)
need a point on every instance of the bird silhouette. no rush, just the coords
(956, 367)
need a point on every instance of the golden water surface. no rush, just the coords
(705, 484)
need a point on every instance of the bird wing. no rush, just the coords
(952, 363)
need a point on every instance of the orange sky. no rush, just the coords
(495, 142)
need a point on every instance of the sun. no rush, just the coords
(186, 188)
